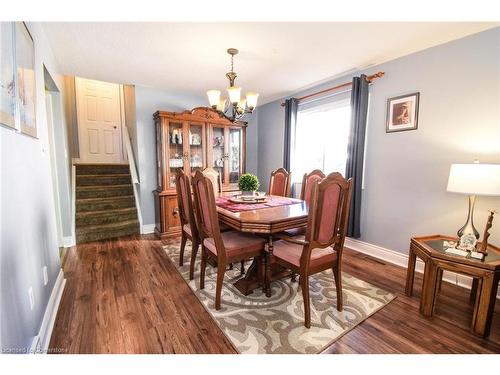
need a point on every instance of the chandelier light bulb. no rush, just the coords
(234, 94)
(222, 105)
(242, 104)
(213, 98)
(252, 100)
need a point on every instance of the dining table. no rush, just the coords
(266, 219)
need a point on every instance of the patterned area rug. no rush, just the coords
(257, 324)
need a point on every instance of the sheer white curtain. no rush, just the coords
(320, 140)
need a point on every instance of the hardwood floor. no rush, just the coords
(125, 296)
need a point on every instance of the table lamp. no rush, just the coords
(474, 179)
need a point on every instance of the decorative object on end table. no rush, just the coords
(402, 113)
(248, 183)
(489, 223)
(473, 179)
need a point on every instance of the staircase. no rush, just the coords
(105, 204)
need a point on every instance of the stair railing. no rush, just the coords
(133, 173)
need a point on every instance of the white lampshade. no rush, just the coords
(252, 100)
(234, 94)
(213, 97)
(475, 179)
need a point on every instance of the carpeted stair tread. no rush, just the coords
(102, 169)
(105, 203)
(99, 204)
(103, 191)
(103, 179)
(100, 232)
(107, 227)
(86, 218)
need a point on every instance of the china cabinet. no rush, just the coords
(193, 140)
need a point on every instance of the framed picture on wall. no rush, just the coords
(402, 113)
(25, 66)
(7, 75)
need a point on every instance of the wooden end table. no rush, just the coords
(485, 274)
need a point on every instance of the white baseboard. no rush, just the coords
(148, 228)
(69, 241)
(400, 259)
(41, 341)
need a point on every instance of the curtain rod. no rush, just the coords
(368, 78)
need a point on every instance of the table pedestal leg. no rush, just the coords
(270, 259)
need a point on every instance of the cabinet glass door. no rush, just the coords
(196, 146)
(218, 152)
(235, 155)
(176, 151)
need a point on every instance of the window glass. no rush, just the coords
(320, 139)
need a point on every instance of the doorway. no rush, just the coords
(59, 161)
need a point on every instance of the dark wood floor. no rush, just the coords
(125, 296)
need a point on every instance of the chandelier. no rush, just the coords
(236, 107)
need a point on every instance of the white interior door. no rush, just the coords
(99, 121)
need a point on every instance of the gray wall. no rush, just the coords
(28, 222)
(406, 173)
(148, 100)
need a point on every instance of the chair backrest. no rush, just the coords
(328, 214)
(206, 211)
(215, 178)
(308, 182)
(280, 182)
(185, 203)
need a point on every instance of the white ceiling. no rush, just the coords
(275, 59)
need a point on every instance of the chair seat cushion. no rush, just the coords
(291, 253)
(237, 244)
(187, 228)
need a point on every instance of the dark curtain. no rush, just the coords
(291, 106)
(356, 150)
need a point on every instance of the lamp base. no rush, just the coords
(468, 227)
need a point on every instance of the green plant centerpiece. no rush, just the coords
(248, 183)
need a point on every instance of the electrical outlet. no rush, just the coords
(45, 276)
(31, 297)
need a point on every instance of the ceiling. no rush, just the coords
(275, 59)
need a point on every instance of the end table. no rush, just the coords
(485, 274)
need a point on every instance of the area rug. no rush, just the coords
(258, 324)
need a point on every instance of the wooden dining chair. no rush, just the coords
(321, 249)
(188, 222)
(215, 178)
(305, 194)
(279, 183)
(224, 247)
(308, 182)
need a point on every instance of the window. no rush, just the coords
(320, 140)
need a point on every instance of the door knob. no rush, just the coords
(114, 127)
